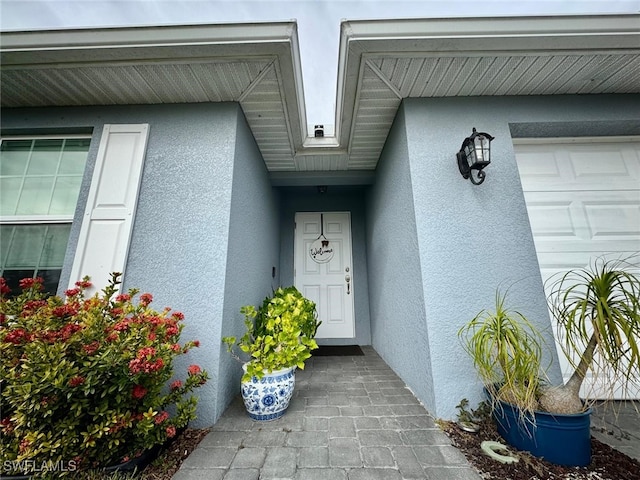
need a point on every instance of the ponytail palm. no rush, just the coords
(598, 314)
(506, 350)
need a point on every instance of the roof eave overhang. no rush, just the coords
(367, 49)
(478, 36)
(184, 43)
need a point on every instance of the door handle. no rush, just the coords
(347, 278)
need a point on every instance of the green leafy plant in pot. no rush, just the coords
(279, 338)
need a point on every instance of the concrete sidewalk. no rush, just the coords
(618, 425)
(352, 418)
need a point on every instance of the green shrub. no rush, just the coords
(85, 380)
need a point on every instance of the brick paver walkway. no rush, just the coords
(351, 418)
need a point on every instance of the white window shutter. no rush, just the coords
(107, 223)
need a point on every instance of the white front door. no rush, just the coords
(323, 271)
(583, 199)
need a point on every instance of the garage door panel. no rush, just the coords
(588, 165)
(613, 220)
(583, 200)
(554, 262)
(573, 166)
(538, 166)
(588, 216)
(596, 248)
(554, 218)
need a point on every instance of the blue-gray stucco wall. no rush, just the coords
(469, 240)
(398, 319)
(206, 229)
(253, 250)
(430, 248)
(336, 199)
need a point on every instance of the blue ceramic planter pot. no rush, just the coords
(267, 398)
(560, 439)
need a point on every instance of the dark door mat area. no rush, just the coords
(337, 351)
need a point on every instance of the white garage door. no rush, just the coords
(583, 198)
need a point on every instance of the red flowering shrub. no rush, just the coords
(87, 379)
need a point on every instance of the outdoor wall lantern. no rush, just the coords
(475, 154)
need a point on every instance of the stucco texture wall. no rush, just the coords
(203, 189)
(180, 237)
(397, 305)
(473, 240)
(253, 251)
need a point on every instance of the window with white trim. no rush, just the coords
(40, 180)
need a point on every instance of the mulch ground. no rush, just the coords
(606, 462)
(172, 456)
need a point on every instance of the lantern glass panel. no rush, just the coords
(470, 153)
(482, 149)
(478, 147)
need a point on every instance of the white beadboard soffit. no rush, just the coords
(380, 63)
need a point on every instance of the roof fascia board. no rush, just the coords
(62, 39)
(292, 82)
(537, 35)
(622, 26)
(349, 73)
(175, 43)
(542, 35)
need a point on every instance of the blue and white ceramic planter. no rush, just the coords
(268, 398)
